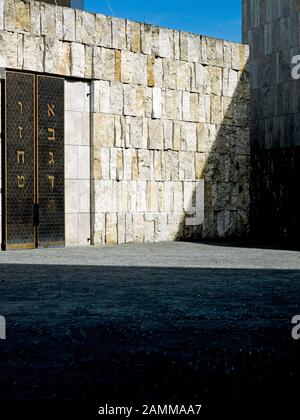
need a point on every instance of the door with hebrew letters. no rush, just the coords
(33, 182)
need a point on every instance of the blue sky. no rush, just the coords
(218, 18)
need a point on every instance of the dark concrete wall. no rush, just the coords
(272, 29)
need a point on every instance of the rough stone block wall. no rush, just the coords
(271, 28)
(170, 127)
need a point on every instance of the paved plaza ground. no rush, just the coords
(170, 322)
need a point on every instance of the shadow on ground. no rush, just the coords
(148, 334)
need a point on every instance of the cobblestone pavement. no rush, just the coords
(166, 322)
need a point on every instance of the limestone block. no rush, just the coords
(119, 164)
(138, 132)
(227, 51)
(189, 196)
(187, 166)
(198, 77)
(134, 99)
(121, 228)
(158, 103)
(166, 166)
(78, 25)
(105, 162)
(33, 50)
(113, 164)
(123, 196)
(133, 36)
(212, 51)
(204, 108)
(148, 102)
(127, 162)
(77, 60)
(157, 165)
(135, 167)
(103, 188)
(133, 68)
(216, 110)
(149, 231)
(104, 64)
(168, 134)
(22, 17)
(173, 105)
(160, 229)
(118, 33)
(145, 164)
(230, 82)
(99, 229)
(240, 55)
(88, 62)
(152, 196)
(228, 110)
(200, 162)
(190, 107)
(141, 199)
(150, 70)
(104, 134)
(59, 20)
(166, 45)
(68, 24)
(97, 163)
(189, 47)
(120, 131)
(48, 21)
(111, 229)
(156, 134)
(132, 196)
(170, 73)
(178, 196)
(177, 45)
(129, 228)
(9, 10)
(101, 96)
(158, 72)
(20, 51)
(188, 136)
(57, 57)
(213, 81)
(184, 76)
(170, 165)
(118, 66)
(176, 135)
(201, 137)
(138, 227)
(175, 226)
(88, 28)
(116, 98)
(168, 204)
(155, 40)
(146, 38)
(103, 31)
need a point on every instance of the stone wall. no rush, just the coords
(271, 28)
(169, 126)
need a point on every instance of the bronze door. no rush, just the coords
(50, 168)
(33, 205)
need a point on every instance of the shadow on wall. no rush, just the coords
(222, 210)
